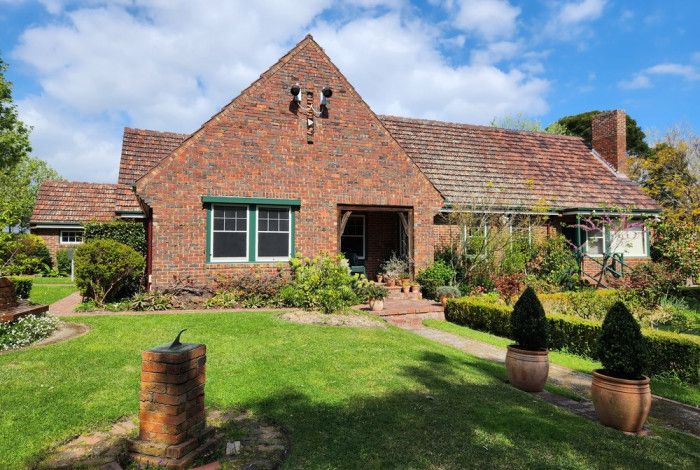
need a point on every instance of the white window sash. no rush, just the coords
(70, 234)
(220, 259)
(288, 232)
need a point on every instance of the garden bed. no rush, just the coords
(335, 319)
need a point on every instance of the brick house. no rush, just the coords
(298, 162)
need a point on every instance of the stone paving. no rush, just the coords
(670, 413)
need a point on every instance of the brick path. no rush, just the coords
(66, 305)
(670, 413)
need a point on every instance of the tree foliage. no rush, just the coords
(580, 125)
(14, 134)
(519, 122)
(528, 322)
(19, 185)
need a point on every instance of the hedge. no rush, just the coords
(22, 285)
(132, 234)
(666, 352)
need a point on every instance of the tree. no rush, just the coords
(19, 185)
(580, 125)
(14, 134)
(522, 123)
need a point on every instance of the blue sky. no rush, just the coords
(82, 70)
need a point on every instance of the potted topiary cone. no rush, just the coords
(621, 394)
(527, 362)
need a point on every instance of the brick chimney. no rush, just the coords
(609, 138)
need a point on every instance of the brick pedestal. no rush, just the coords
(172, 428)
(7, 294)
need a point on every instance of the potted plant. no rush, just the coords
(415, 287)
(621, 394)
(527, 361)
(380, 277)
(375, 295)
(446, 292)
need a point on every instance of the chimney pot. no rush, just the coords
(609, 138)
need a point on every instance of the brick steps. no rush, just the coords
(395, 293)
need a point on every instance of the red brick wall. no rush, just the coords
(609, 137)
(52, 238)
(257, 147)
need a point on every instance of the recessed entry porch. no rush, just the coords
(368, 235)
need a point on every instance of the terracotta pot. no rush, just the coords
(415, 288)
(443, 300)
(380, 278)
(405, 288)
(390, 282)
(621, 403)
(527, 370)
(376, 305)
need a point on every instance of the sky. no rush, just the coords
(84, 69)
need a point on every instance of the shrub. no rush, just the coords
(22, 285)
(621, 346)
(26, 330)
(528, 323)
(223, 299)
(256, 288)
(436, 275)
(395, 267)
(655, 280)
(107, 269)
(323, 283)
(555, 262)
(447, 291)
(63, 262)
(24, 254)
(152, 301)
(509, 285)
(132, 234)
(666, 352)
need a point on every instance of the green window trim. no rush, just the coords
(252, 227)
(251, 200)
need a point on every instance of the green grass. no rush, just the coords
(38, 280)
(668, 388)
(349, 398)
(49, 293)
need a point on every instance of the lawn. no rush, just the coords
(675, 390)
(350, 398)
(47, 290)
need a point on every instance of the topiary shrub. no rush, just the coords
(22, 285)
(132, 234)
(436, 275)
(106, 270)
(621, 345)
(528, 322)
(63, 262)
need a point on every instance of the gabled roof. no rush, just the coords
(513, 169)
(73, 202)
(143, 149)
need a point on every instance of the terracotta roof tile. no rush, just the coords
(506, 168)
(66, 201)
(143, 149)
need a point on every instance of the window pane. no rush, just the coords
(229, 244)
(273, 225)
(218, 224)
(630, 242)
(273, 245)
(352, 246)
(284, 225)
(595, 242)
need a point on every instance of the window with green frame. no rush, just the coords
(249, 230)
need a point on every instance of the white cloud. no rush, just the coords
(570, 19)
(577, 12)
(643, 79)
(170, 65)
(490, 19)
(415, 80)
